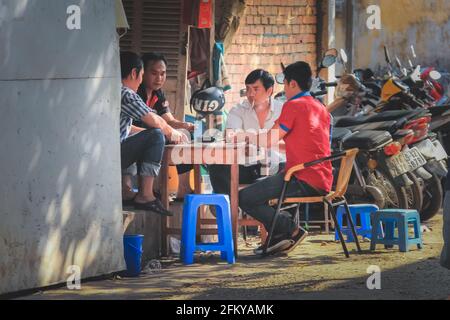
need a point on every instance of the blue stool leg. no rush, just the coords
(403, 236)
(350, 237)
(185, 228)
(190, 232)
(389, 228)
(375, 228)
(339, 216)
(220, 228)
(365, 220)
(227, 234)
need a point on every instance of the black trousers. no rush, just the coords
(220, 176)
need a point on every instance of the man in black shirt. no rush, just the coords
(155, 72)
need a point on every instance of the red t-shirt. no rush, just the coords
(307, 123)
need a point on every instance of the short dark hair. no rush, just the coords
(153, 56)
(129, 61)
(299, 71)
(260, 74)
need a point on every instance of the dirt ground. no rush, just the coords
(317, 269)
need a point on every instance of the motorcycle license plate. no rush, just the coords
(414, 158)
(439, 151)
(397, 164)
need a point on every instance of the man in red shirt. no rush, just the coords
(304, 125)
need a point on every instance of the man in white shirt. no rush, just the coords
(255, 114)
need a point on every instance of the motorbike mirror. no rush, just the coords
(328, 61)
(413, 51)
(343, 56)
(435, 75)
(415, 76)
(279, 78)
(243, 93)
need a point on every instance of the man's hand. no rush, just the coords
(178, 137)
(188, 126)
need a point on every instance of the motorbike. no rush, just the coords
(423, 189)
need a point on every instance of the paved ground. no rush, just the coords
(317, 269)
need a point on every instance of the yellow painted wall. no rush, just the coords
(424, 23)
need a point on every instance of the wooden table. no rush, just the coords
(232, 154)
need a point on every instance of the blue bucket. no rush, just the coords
(132, 245)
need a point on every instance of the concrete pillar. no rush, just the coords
(60, 201)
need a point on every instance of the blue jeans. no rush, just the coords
(445, 255)
(146, 150)
(254, 201)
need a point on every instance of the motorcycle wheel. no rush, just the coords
(432, 198)
(414, 192)
(396, 197)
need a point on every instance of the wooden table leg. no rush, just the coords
(164, 174)
(234, 202)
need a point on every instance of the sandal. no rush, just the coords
(153, 206)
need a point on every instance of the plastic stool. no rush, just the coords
(400, 219)
(189, 227)
(364, 211)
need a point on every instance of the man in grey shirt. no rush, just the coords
(256, 113)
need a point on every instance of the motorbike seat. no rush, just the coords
(390, 126)
(340, 134)
(367, 140)
(396, 114)
(348, 121)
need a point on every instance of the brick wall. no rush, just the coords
(271, 31)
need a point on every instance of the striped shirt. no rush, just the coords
(132, 108)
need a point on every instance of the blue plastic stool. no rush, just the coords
(364, 211)
(400, 219)
(189, 227)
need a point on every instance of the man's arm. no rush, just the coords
(154, 121)
(177, 124)
(272, 137)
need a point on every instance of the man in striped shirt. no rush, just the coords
(142, 146)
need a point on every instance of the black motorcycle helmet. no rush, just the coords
(207, 101)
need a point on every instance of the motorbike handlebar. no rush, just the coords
(319, 93)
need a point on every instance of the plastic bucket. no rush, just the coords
(132, 245)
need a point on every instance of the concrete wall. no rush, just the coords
(271, 31)
(60, 201)
(426, 24)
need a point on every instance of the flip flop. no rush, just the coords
(153, 206)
